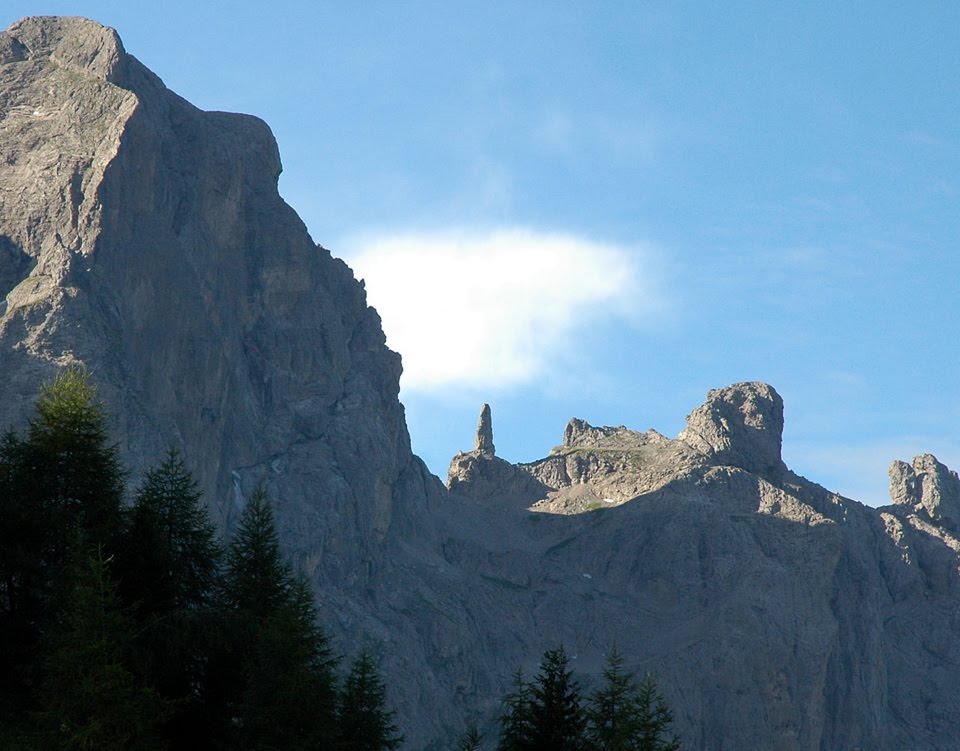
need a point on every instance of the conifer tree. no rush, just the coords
(60, 483)
(22, 536)
(91, 700)
(170, 555)
(655, 719)
(289, 696)
(470, 740)
(281, 693)
(613, 715)
(73, 473)
(516, 728)
(169, 561)
(625, 715)
(363, 721)
(257, 578)
(557, 718)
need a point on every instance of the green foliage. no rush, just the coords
(516, 726)
(622, 715)
(118, 629)
(289, 695)
(471, 740)
(60, 484)
(557, 718)
(170, 560)
(363, 721)
(258, 579)
(91, 700)
(74, 474)
(170, 553)
(655, 719)
(625, 715)
(283, 692)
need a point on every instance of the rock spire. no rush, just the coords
(485, 445)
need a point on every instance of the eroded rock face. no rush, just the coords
(926, 486)
(826, 624)
(481, 476)
(146, 239)
(741, 426)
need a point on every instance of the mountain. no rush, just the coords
(146, 239)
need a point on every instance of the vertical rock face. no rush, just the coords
(146, 239)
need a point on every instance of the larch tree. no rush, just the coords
(655, 719)
(471, 740)
(61, 485)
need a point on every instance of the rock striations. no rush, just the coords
(146, 239)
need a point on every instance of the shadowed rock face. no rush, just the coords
(146, 239)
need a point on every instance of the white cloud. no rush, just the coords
(497, 309)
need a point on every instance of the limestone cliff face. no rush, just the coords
(146, 239)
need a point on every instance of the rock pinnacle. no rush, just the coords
(485, 445)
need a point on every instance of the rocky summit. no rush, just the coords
(145, 239)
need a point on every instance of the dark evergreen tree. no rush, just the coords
(90, 698)
(73, 473)
(471, 740)
(282, 694)
(655, 719)
(289, 698)
(363, 721)
(516, 722)
(60, 483)
(257, 578)
(557, 718)
(625, 715)
(614, 714)
(22, 536)
(169, 559)
(170, 555)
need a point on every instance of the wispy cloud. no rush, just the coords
(496, 309)
(599, 134)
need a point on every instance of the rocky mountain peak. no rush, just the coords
(77, 43)
(929, 487)
(581, 434)
(740, 426)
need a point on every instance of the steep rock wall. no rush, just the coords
(147, 240)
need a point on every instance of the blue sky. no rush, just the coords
(602, 210)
